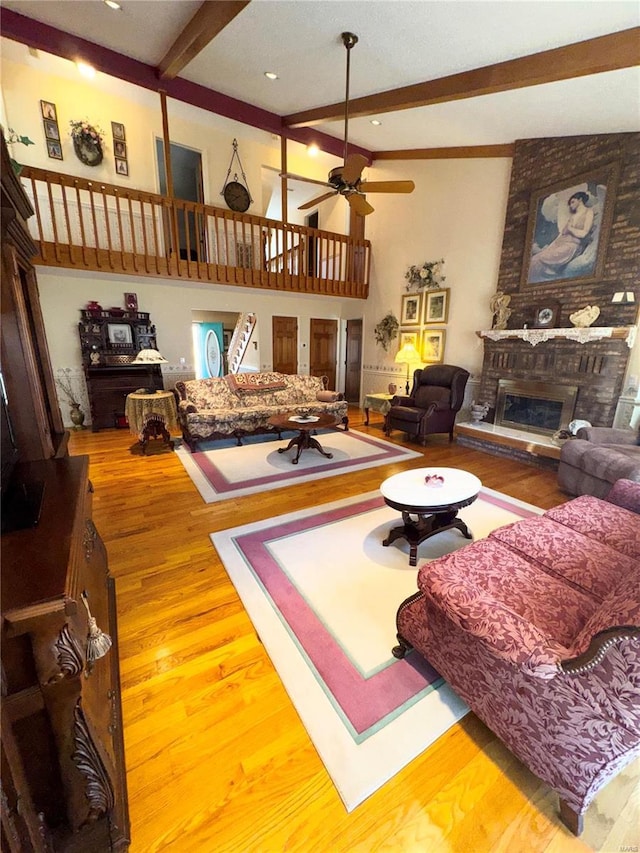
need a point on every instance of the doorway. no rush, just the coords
(353, 361)
(186, 169)
(285, 344)
(323, 345)
(311, 221)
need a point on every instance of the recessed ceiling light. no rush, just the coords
(86, 70)
(112, 4)
(313, 150)
(271, 75)
(375, 122)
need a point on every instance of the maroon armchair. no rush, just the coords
(434, 402)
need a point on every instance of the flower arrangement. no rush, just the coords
(386, 330)
(82, 131)
(428, 276)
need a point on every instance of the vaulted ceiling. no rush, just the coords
(436, 73)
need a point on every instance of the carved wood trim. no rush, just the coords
(99, 790)
(70, 658)
(598, 648)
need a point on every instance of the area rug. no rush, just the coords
(322, 592)
(231, 472)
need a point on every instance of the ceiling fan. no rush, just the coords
(345, 180)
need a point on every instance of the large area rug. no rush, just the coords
(322, 593)
(231, 471)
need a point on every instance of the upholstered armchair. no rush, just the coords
(592, 462)
(432, 406)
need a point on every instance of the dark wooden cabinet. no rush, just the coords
(108, 388)
(63, 779)
(109, 344)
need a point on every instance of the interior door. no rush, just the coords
(186, 169)
(323, 343)
(285, 344)
(353, 361)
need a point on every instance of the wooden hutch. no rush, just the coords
(63, 767)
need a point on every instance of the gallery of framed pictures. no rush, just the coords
(568, 228)
(428, 342)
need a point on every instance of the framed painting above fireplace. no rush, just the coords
(568, 228)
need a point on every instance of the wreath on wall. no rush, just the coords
(386, 330)
(87, 142)
(428, 276)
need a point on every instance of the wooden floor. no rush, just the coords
(217, 758)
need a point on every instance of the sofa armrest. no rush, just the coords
(504, 633)
(607, 435)
(185, 407)
(625, 493)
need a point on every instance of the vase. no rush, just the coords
(77, 416)
(94, 308)
(392, 387)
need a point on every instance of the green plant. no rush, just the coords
(12, 138)
(427, 276)
(386, 330)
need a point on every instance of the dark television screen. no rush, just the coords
(8, 446)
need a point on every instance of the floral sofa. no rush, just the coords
(537, 628)
(241, 404)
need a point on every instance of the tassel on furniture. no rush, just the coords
(98, 643)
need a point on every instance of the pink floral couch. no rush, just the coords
(241, 404)
(537, 628)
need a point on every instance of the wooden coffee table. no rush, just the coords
(304, 440)
(435, 503)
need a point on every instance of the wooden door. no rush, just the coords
(285, 344)
(353, 361)
(323, 335)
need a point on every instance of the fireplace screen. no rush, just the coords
(540, 407)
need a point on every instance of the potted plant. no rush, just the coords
(76, 414)
(386, 330)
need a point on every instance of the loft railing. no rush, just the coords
(81, 224)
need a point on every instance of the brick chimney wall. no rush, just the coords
(597, 368)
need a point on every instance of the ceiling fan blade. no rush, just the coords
(317, 200)
(359, 204)
(386, 187)
(353, 166)
(293, 177)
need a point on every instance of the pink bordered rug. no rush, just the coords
(232, 471)
(322, 592)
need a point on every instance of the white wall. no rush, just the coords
(456, 212)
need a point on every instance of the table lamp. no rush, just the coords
(149, 357)
(408, 355)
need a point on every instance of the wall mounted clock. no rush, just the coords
(237, 196)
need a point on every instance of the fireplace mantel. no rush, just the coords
(580, 335)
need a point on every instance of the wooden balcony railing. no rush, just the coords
(80, 224)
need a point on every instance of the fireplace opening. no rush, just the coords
(540, 407)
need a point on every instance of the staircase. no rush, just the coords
(240, 341)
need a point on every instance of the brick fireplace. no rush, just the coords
(594, 368)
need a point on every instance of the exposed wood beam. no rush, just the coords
(594, 56)
(210, 19)
(464, 152)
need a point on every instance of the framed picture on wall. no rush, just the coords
(122, 167)
(117, 130)
(411, 307)
(54, 149)
(119, 333)
(568, 228)
(433, 345)
(51, 129)
(409, 336)
(48, 110)
(436, 306)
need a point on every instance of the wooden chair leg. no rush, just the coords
(573, 820)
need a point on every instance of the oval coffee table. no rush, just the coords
(435, 504)
(304, 440)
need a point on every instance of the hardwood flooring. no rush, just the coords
(217, 758)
